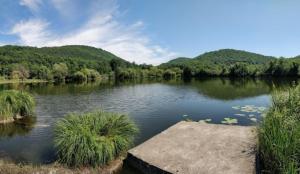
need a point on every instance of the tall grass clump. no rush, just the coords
(15, 104)
(279, 134)
(93, 139)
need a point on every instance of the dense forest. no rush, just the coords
(84, 63)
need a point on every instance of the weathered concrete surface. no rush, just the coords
(195, 148)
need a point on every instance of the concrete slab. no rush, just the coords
(194, 148)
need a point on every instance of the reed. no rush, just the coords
(93, 139)
(15, 104)
(279, 134)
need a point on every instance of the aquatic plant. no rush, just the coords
(279, 133)
(15, 104)
(241, 115)
(205, 120)
(229, 121)
(253, 119)
(93, 139)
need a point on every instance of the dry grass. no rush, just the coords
(55, 168)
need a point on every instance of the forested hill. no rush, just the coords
(84, 63)
(74, 56)
(224, 57)
(230, 62)
(229, 56)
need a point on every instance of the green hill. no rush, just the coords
(229, 56)
(222, 57)
(75, 56)
(230, 62)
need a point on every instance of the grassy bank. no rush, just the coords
(279, 134)
(56, 168)
(8, 81)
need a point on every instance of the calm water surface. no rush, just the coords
(154, 107)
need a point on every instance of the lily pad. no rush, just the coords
(241, 115)
(229, 121)
(253, 119)
(205, 120)
(236, 107)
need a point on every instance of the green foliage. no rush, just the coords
(15, 103)
(61, 63)
(238, 63)
(75, 57)
(93, 139)
(41, 72)
(79, 77)
(279, 134)
(91, 74)
(169, 74)
(19, 72)
(60, 71)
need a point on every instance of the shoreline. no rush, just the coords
(10, 167)
(7, 81)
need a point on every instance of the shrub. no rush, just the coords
(91, 74)
(15, 103)
(169, 74)
(79, 77)
(92, 139)
(60, 71)
(279, 134)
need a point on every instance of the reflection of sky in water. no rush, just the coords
(154, 107)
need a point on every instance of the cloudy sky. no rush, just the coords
(155, 31)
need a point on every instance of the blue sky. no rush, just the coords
(155, 31)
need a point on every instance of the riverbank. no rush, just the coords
(12, 168)
(8, 81)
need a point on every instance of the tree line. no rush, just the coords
(82, 63)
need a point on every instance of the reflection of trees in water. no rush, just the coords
(239, 88)
(19, 127)
(219, 88)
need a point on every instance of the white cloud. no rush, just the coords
(31, 4)
(31, 32)
(101, 30)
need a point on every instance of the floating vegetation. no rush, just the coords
(252, 109)
(229, 121)
(253, 119)
(236, 107)
(205, 120)
(188, 120)
(241, 115)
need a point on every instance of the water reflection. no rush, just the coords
(18, 128)
(232, 89)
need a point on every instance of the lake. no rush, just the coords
(154, 106)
